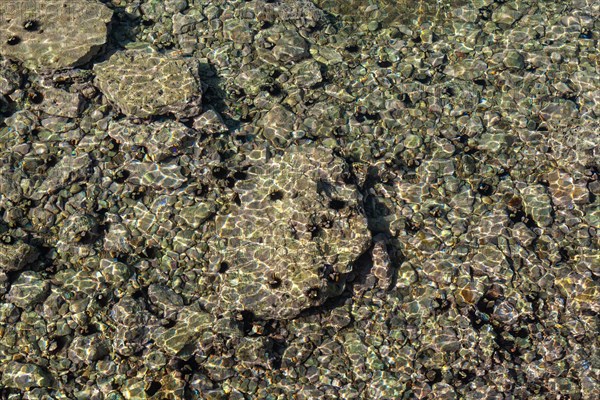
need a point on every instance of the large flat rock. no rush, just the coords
(52, 34)
(292, 239)
(142, 83)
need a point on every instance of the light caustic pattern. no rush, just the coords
(292, 238)
(52, 34)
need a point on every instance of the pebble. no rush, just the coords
(513, 59)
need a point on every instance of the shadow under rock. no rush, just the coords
(214, 94)
(122, 31)
(357, 280)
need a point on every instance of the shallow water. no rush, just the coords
(299, 200)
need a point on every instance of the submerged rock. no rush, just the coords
(69, 169)
(61, 103)
(190, 325)
(390, 11)
(10, 78)
(16, 256)
(144, 83)
(292, 238)
(52, 34)
(160, 139)
(29, 289)
(537, 203)
(25, 376)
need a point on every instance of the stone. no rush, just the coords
(306, 73)
(29, 289)
(291, 47)
(25, 376)
(70, 168)
(155, 175)
(537, 203)
(210, 122)
(87, 349)
(165, 299)
(291, 242)
(189, 326)
(254, 351)
(53, 34)
(382, 265)
(506, 15)
(278, 125)
(514, 60)
(142, 83)
(16, 256)
(160, 139)
(281, 46)
(9, 77)
(77, 229)
(60, 103)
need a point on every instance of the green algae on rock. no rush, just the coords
(145, 83)
(52, 34)
(292, 238)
